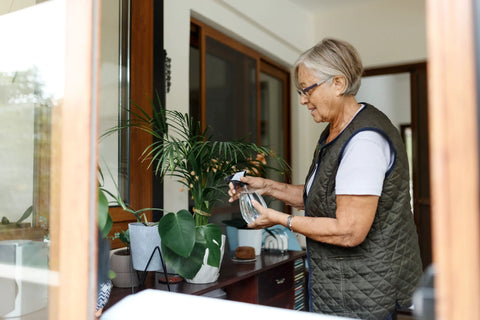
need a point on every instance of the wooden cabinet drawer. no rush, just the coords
(281, 300)
(276, 284)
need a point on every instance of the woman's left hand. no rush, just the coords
(267, 218)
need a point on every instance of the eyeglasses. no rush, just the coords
(306, 91)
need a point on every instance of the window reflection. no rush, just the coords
(272, 125)
(31, 84)
(115, 95)
(241, 97)
(231, 95)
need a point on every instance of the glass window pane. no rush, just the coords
(114, 95)
(272, 120)
(233, 109)
(31, 83)
(194, 84)
(271, 101)
(231, 95)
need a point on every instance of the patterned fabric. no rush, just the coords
(103, 294)
(368, 280)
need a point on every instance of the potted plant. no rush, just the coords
(121, 262)
(239, 235)
(182, 150)
(143, 239)
(142, 235)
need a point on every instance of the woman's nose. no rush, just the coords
(303, 99)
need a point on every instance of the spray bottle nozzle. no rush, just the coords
(235, 179)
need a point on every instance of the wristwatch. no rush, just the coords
(289, 222)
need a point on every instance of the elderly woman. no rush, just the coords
(362, 245)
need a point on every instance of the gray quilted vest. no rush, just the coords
(367, 281)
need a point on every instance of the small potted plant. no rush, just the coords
(121, 262)
(182, 150)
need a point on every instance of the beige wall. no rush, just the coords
(385, 32)
(248, 21)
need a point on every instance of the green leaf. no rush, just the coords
(186, 267)
(25, 215)
(108, 226)
(104, 219)
(210, 236)
(177, 231)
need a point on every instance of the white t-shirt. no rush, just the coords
(365, 160)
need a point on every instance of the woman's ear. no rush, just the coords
(340, 84)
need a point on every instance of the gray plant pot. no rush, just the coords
(143, 241)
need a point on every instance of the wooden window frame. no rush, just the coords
(263, 63)
(284, 76)
(73, 228)
(453, 149)
(141, 90)
(453, 126)
(420, 156)
(73, 233)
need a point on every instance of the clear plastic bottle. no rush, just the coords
(249, 213)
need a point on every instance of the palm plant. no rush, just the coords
(181, 149)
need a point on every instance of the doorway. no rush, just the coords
(401, 93)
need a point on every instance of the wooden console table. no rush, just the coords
(273, 279)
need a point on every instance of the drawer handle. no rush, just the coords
(280, 281)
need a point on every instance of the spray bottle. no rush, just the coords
(249, 213)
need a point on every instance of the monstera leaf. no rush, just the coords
(184, 244)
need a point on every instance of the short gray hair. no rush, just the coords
(330, 58)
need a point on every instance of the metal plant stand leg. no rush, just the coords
(144, 275)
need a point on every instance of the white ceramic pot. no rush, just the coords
(207, 273)
(121, 264)
(251, 238)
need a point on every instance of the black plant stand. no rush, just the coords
(144, 273)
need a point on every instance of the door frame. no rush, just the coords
(453, 127)
(420, 155)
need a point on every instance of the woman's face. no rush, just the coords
(320, 99)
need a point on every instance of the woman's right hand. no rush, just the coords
(257, 183)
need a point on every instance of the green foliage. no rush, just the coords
(124, 237)
(210, 236)
(27, 213)
(182, 150)
(105, 221)
(184, 243)
(138, 214)
(177, 231)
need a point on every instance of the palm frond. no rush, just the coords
(181, 149)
